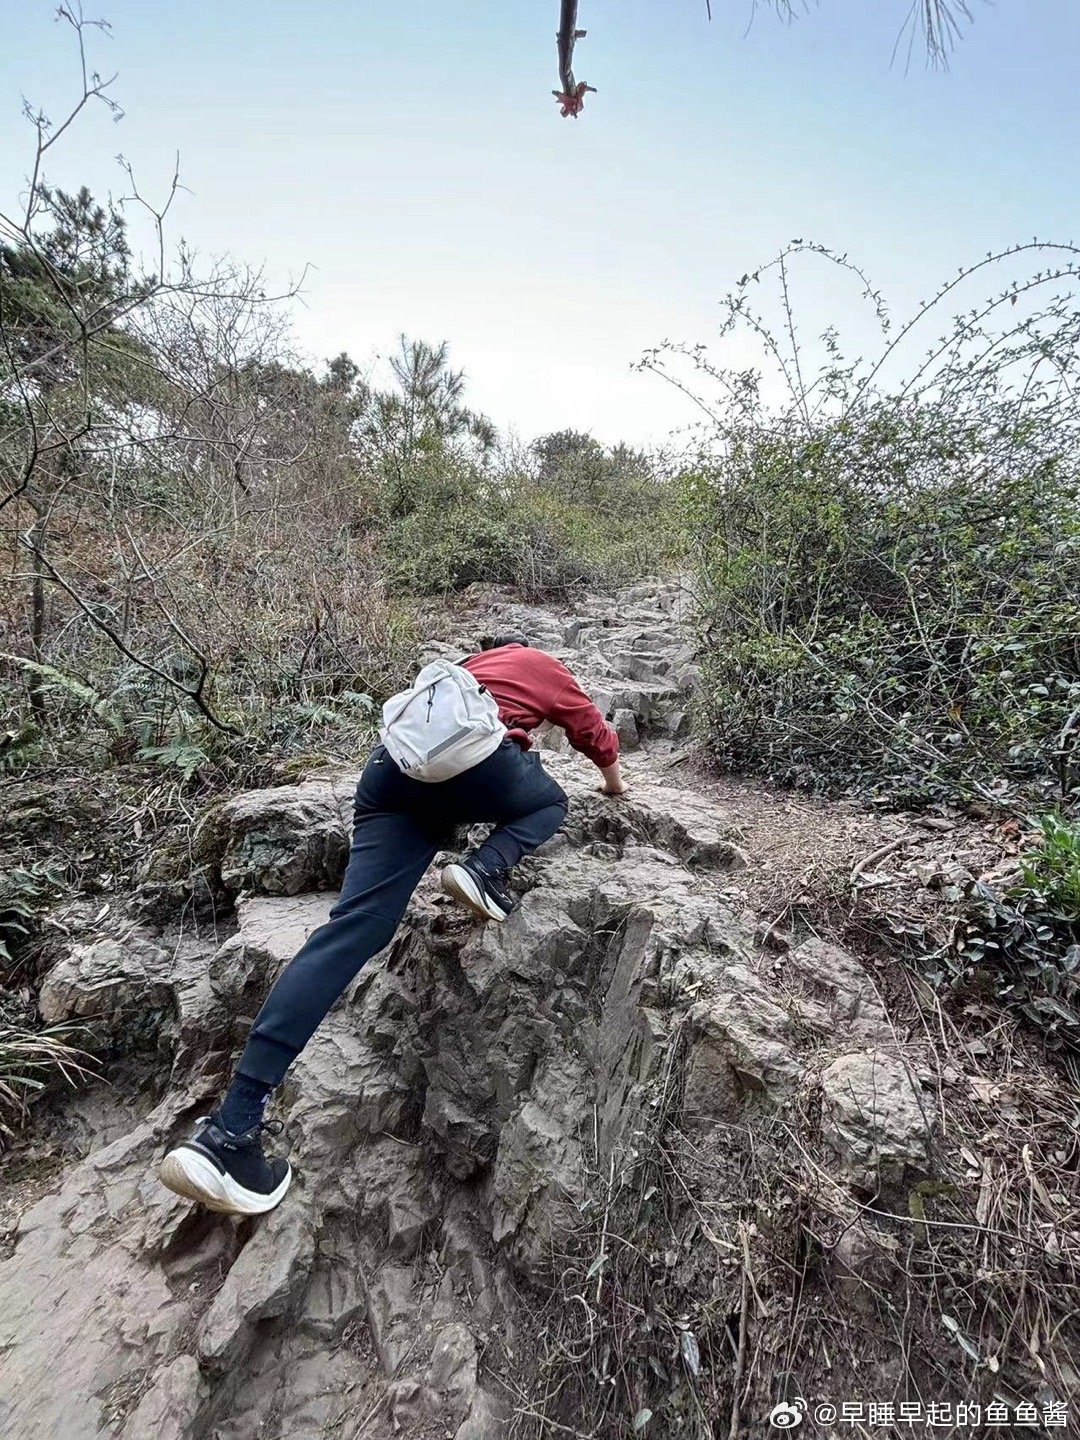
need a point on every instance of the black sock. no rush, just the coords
(492, 859)
(244, 1104)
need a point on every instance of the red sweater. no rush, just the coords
(530, 687)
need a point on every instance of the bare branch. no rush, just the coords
(194, 695)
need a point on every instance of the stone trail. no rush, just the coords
(443, 1120)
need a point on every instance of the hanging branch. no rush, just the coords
(571, 98)
(941, 23)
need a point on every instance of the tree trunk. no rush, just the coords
(38, 706)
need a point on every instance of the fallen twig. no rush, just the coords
(879, 854)
(740, 1354)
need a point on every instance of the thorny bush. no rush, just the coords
(888, 550)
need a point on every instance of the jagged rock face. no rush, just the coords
(109, 980)
(445, 1119)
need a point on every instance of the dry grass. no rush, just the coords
(29, 1060)
(720, 1268)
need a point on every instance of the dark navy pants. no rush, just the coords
(399, 825)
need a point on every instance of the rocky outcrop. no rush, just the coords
(283, 841)
(449, 1118)
(109, 981)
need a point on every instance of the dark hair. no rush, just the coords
(496, 642)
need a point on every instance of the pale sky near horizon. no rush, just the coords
(413, 157)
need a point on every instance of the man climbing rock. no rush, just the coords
(410, 799)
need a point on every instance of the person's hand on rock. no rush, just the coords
(614, 784)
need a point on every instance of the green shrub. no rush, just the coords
(534, 527)
(632, 532)
(437, 549)
(889, 562)
(1052, 869)
(1021, 946)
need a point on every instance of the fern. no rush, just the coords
(354, 697)
(180, 753)
(60, 683)
(18, 747)
(22, 893)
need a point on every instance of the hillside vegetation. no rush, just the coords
(218, 548)
(888, 560)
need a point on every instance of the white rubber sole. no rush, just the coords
(190, 1174)
(457, 881)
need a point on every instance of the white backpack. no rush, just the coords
(445, 723)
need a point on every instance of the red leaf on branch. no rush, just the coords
(573, 103)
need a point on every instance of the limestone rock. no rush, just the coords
(834, 993)
(626, 728)
(677, 725)
(538, 1173)
(168, 1410)
(539, 939)
(744, 1050)
(263, 1284)
(680, 822)
(451, 1374)
(334, 1298)
(74, 1295)
(112, 980)
(874, 1119)
(551, 739)
(270, 933)
(283, 841)
(863, 1261)
(486, 1420)
(391, 1312)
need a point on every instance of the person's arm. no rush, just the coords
(587, 730)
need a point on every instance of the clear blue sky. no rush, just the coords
(413, 155)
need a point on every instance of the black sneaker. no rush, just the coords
(227, 1172)
(484, 891)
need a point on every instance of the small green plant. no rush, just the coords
(1052, 869)
(181, 753)
(58, 686)
(20, 746)
(1021, 945)
(23, 891)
